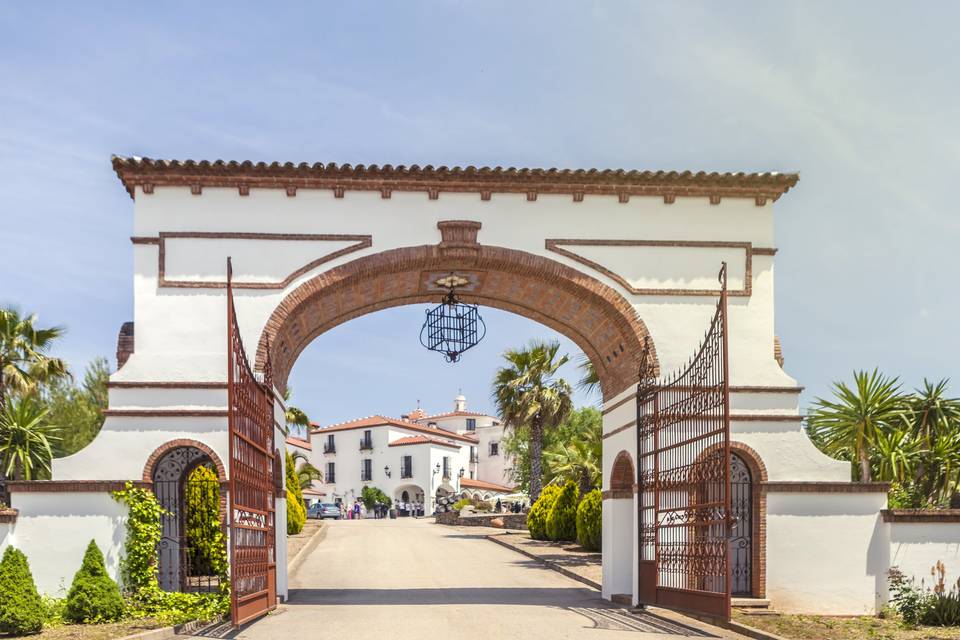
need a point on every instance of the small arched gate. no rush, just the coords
(253, 568)
(683, 449)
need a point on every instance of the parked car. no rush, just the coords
(321, 510)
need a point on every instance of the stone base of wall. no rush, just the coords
(499, 521)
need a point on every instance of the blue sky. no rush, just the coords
(862, 101)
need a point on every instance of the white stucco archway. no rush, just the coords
(611, 259)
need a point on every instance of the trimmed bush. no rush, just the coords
(93, 596)
(537, 517)
(589, 520)
(296, 511)
(562, 519)
(21, 610)
(204, 534)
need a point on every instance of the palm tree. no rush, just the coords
(589, 378)
(306, 472)
(528, 393)
(25, 439)
(576, 450)
(294, 415)
(23, 359)
(847, 426)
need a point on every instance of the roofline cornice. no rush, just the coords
(148, 173)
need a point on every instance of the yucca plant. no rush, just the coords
(846, 427)
(26, 439)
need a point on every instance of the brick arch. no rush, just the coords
(622, 476)
(758, 500)
(593, 315)
(166, 447)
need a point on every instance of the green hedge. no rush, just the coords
(562, 519)
(93, 596)
(537, 517)
(205, 536)
(21, 610)
(589, 520)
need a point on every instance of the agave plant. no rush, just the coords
(847, 426)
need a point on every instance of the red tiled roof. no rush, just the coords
(400, 442)
(297, 442)
(480, 484)
(377, 421)
(146, 171)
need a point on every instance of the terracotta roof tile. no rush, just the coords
(377, 421)
(451, 414)
(400, 442)
(480, 484)
(134, 171)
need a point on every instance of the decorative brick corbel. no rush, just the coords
(291, 191)
(715, 198)
(196, 189)
(459, 237)
(531, 196)
(386, 192)
(578, 196)
(148, 187)
(338, 191)
(624, 197)
(669, 198)
(484, 195)
(243, 189)
(433, 193)
(760, 201)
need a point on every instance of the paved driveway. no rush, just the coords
(399, 579)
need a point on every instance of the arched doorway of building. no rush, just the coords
(187, 479)
(408, 500)
(741, 539)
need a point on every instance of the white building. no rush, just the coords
(411, 460)
(489, 463)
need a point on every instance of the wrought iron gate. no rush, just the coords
(683, 449)
(741, 537)
(253, 577)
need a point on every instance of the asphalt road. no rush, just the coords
(399, 579)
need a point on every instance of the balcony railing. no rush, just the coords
(329, 448)
(474, 459)
(406, 473)
(330, 478)
(366, 445)
(366, 476)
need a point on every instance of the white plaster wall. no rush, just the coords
(121, 449)
(280, 513)
(916, 547)
(826, 553)
(166, 320)
(54, 529)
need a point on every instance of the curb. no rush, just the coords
(163, 633)
(547, 563)
(294, 563)
(736, 627)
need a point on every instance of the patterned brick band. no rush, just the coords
(925, 516)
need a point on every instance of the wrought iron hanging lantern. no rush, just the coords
(452, 327)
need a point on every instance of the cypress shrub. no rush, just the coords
(589, 520)
(93, 596)
(537, 517)
(21, 609)
(296, 512)
(562, 519)
(205, 536)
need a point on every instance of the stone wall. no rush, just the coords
(509, 520)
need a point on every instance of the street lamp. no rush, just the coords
(436, 469)
(386, 471)
(461, 472)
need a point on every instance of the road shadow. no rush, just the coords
(535, 596)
